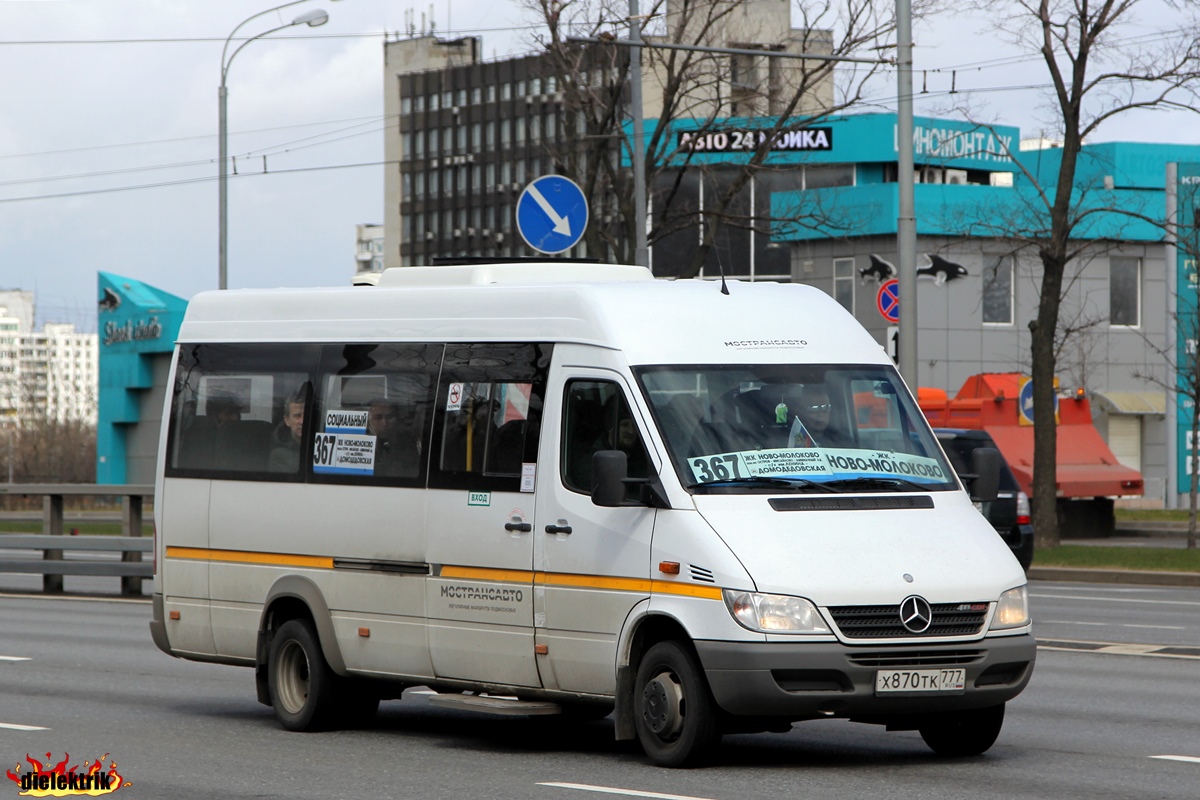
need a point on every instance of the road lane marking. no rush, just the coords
(1112, 624)
(13, 658)
(74, 598)
(12, 726)
(1121, 648)
(627, 792)
(1116, 599)
(1188, 759)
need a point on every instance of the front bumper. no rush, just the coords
(809, 680)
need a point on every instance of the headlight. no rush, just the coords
(774, 613)
(1012, 611)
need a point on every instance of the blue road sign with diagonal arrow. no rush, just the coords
(552, 214)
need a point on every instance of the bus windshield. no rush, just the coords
(790, 427)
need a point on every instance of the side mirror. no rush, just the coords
(985, 463)
(610, 468)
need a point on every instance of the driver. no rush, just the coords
(812, 419)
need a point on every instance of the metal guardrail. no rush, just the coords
(52, 543)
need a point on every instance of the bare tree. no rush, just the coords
(702, 90)
(1095, 75)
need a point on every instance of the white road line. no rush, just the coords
(1117, 599)
(1112, 624)
(12, 726)
(628, 792)
(72, 598)
(1188, 759)
(13, 658)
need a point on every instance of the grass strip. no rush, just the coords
(1152, 514)
(1154, 559)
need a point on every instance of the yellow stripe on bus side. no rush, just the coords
(577, 580)
(554, 579)
(486, 574)
(593, 581)
(686, 589)
(249, 557)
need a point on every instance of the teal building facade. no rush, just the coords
(136, 325)
(824, 209)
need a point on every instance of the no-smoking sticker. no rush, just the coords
(454, 399)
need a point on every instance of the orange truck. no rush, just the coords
(1088, 475)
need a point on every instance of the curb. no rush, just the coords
(1080, 574)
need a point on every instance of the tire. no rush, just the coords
(303, 688)
(673, 711)
(963, 733)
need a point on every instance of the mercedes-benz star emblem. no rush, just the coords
(915, 614)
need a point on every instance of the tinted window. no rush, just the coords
(808, 427)
(596, 417)
(489, 412)
(373, 412)
(229, 406)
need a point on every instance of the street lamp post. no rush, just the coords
(313, 19)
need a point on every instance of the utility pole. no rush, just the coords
(906, 218)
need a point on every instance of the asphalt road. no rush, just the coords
(1093, 723)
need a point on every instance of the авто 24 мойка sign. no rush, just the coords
(731, 140)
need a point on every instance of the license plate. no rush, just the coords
(920, 680)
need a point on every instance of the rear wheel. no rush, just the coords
(673, 710)
(301, 684)
(963, 733)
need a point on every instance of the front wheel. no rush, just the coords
(673, 710)
(963, 733)
(301, 684)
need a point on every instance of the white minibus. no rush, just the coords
(573, 489)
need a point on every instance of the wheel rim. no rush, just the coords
(292, 677)
(663, 706)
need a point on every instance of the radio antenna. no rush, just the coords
(721, 267)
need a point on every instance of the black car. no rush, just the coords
(1009, 512)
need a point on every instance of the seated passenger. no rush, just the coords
(397, 453)
(223, 408)
(285, 439)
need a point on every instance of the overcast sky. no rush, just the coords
(108, 122)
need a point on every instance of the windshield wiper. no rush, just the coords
(795, 484)
(868, 483)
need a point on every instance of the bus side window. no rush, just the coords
(227, 406)
(489, 414)
(373, 412)
(597, 417)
